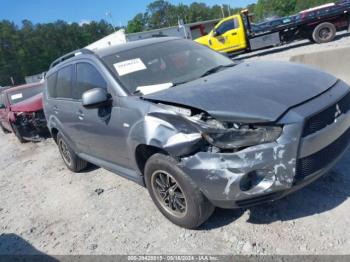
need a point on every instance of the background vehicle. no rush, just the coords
(273, 23)
(235, 34)
(197, 129)
(21, 112)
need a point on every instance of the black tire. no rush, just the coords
(18, 134)
(70, 158)
(197, 207)
(324, 33)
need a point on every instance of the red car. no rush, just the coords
(21, 112)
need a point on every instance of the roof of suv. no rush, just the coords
(131, 45)
(112, 49)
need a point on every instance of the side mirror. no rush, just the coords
(95, 98)
(215, 33)
(2, 106)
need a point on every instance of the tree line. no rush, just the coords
(280, 8)
(28, 49)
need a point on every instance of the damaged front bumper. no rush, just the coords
(268, 172)
(31, 126)
(228, 178)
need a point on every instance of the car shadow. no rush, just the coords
(222, 217)
(90, 168)
(13, 247)
(280, 49)
(323, 195)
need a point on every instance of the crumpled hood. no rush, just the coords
(32, 104)
(250, 92)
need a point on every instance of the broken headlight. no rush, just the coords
(233, 136)
(226, 135)
(243, 137)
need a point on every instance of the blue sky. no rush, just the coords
(41, 11)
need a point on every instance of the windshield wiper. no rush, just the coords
(137, 92)
(209, 72)
(216, 69)
(181, 83)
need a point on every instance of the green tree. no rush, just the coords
(159, 14)
(137, 24)
(30, 49)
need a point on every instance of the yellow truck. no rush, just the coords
(237, 34)
(229, 35)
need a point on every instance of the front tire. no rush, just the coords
(70, 158)
(175, 194)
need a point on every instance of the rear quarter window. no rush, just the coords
(51, 85)
(2, 100)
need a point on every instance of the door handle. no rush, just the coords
(235, 33)
(80, 115)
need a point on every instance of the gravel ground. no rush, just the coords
(44, 208)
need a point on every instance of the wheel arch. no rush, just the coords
(154, 135)
(143, 152)
(54, 133)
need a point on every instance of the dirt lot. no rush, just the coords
(46, 208)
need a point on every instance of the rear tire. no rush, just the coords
(175, 194)
(70, 158)
(324, 33)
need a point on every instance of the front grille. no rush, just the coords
(327, 116)
(313, 163)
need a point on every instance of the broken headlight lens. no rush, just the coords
(243, 137)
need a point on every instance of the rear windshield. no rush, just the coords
(23, 94)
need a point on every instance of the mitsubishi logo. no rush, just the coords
(338, 112)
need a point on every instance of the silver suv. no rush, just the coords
(196, 129)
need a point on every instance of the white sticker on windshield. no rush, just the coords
(129, 66)
(16, 96)
(153, 88)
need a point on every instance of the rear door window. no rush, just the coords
(87, 78)
(64, 83)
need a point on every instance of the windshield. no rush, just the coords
(23, 94)
(155, 67)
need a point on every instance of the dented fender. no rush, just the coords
(166, 131)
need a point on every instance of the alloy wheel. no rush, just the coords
(169, 193)
(65, 152)
(325, 33)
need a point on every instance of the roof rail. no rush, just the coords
(70, 55)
